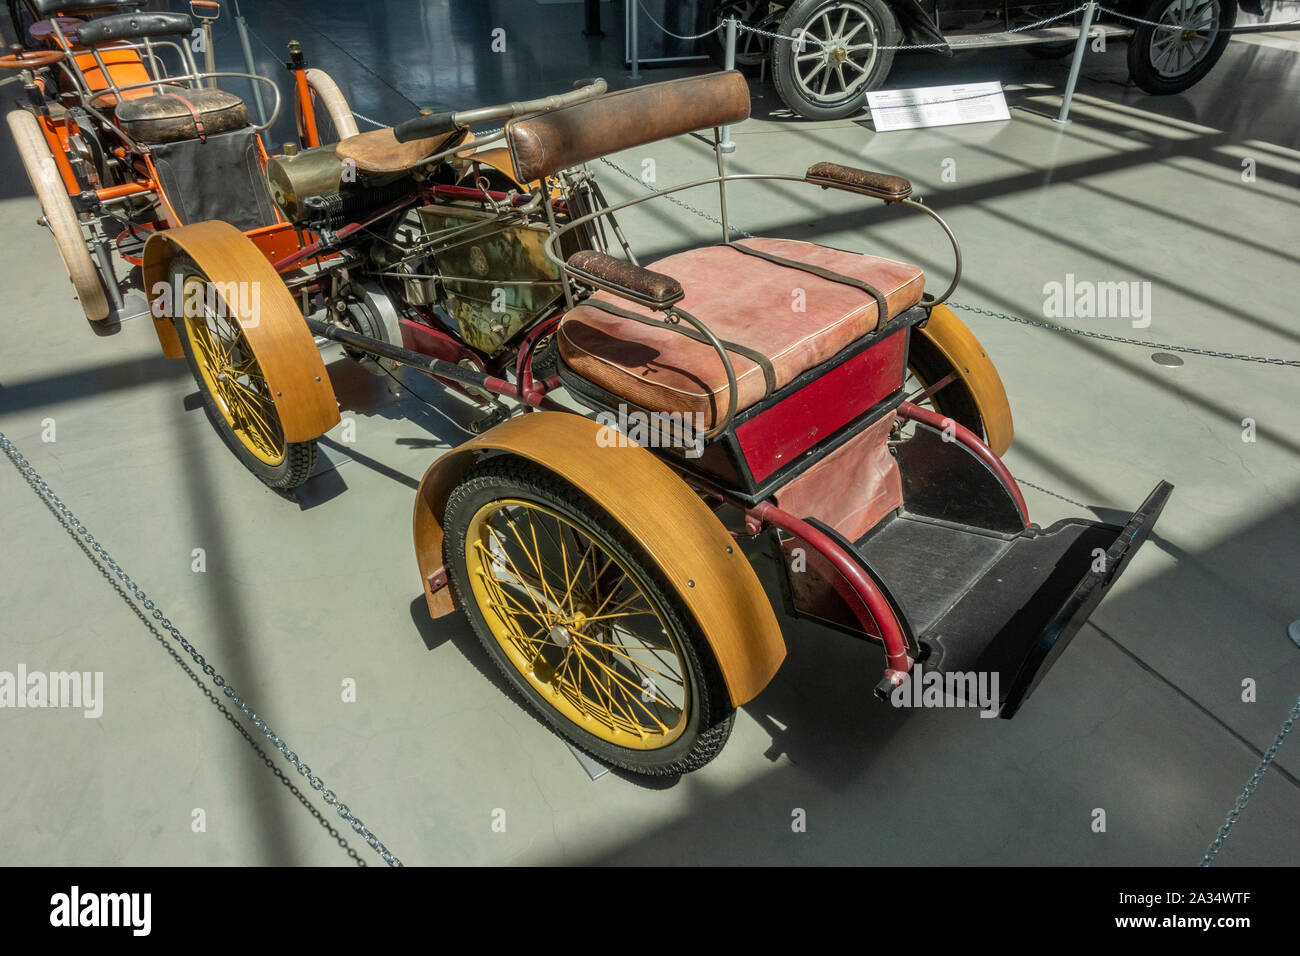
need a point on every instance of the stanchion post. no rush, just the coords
(729, 62)
(242, 26)
(1077, 62)
(633, 8)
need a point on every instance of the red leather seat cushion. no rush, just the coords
(742, 299)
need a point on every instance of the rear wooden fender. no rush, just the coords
(973, 366)
(681, 535)
(285, 349)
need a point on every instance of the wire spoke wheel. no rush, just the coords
(238, 399)
(580, 621)
(230, 372)
(574, 622)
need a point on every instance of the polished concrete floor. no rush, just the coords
(1143, 717)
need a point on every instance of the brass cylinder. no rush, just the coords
(295, 179)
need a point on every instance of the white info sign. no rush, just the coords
(937, 106)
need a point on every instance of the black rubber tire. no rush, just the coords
(1144, 72)
(299, 457)
(954, 400)
(711, 716)
(800, 15)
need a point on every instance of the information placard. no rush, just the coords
(937, 106)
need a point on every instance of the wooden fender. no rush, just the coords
(279, 338)
(973, 366)
(670, 522)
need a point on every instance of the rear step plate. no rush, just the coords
(1004, 605)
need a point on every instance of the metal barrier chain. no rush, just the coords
(46, 493)
(924, 46)
(1249, 791)
(677, 36)
(1050, 326)
(366, 119)
(1086, 333)
(1249, 28)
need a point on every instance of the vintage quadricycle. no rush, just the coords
(604, 559)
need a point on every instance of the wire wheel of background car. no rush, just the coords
(234, 390)
(838, 58)
(56, 207)
(581, 622)
(1191, 37)
(751, 48)
(926, 367)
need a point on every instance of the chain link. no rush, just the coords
(1249, 28)
(678, 36)
(73, 523)
(957, 43)
(1249, 790)
(1106, 337)
(1035, 323)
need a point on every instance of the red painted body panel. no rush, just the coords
(776, 436)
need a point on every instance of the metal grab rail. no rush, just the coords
(199, 77)
(548, 247)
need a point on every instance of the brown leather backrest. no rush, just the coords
(548, 142)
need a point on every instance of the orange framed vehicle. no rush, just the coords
(603, 557)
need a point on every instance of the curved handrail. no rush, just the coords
(549, 246)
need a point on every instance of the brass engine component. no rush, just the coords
(308, 172)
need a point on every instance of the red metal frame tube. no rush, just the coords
(972, 441)
(891, 631)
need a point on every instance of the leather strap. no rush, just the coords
(758, 358)
(882, 306)
(198, 120)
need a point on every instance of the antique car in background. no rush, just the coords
(846, 43)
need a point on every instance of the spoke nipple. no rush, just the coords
(690, 584)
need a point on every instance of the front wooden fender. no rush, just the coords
(676, 529)
(275, 330)
(973, 366)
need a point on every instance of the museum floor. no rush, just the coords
(1143, 717)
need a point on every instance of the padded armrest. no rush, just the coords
(651, 289)
(133, 26)
(862, 181)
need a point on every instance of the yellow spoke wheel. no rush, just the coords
(230, 379)
(581, 623)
